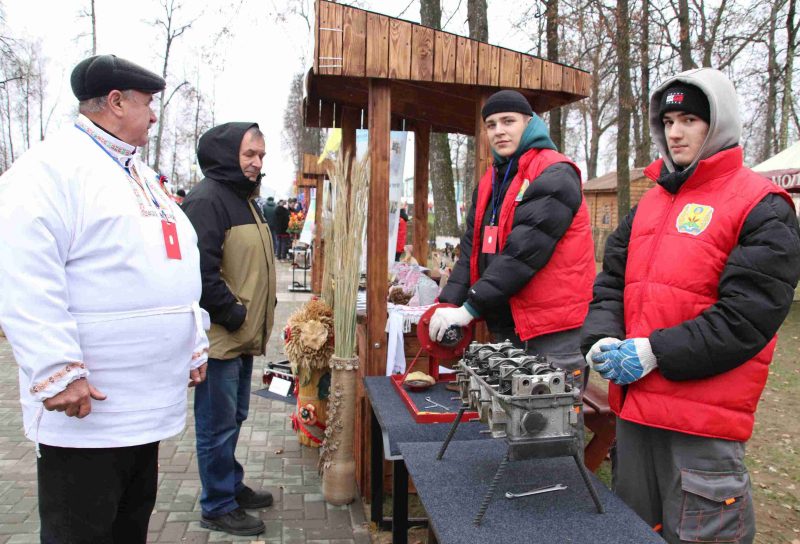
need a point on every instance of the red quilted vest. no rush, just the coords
(557, 297)
(678, 248)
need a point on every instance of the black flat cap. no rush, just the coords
(101, 74)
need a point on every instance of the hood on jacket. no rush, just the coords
(218, 155)
(535, 135)
(724, 127)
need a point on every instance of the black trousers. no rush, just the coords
(97, 495)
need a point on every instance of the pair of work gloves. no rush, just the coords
(622, 362)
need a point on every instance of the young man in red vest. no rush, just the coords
(526, 263)
(696, 280)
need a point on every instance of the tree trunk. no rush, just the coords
(441, 172)
(94, 29)
(645, 142)
(551, 16)
(788, 74)
(625, 107)
(478, 22)
(768, 148)
(685, 39)
(162, 104)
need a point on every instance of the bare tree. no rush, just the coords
(788, 73)
(773, 72)
(478, 22)
(90, 14)
(552, 20)
(625, 107)
(172, 30)
(444, 198)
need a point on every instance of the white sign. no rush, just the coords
(279, 386)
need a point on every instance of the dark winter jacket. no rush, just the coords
(269, 212)
(281, 220)
(236, 253)
(555, 195)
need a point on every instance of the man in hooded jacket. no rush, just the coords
(238, 275)
(696, 281)
(526, 262)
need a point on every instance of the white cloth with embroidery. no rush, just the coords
(84, 278)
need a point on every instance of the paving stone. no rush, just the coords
(299, 516)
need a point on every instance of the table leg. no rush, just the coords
(399, 503)
(376, 471)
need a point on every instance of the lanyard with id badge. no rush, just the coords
(490, 230)
(168, 228)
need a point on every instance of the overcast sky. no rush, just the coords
(256, 58)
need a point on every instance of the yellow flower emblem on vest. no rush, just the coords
(694, 218)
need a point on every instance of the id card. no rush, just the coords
(489, 239)
(170, 231)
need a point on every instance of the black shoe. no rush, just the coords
(237, 522)
(247, 498)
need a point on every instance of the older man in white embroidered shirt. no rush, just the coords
(99, 283)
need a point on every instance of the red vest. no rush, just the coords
(557, 297)
(402, 232)
(678, 248)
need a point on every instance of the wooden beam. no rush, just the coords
(354, 42)
(422, 53)
(399, 49)
(444, 60)
(377, 45)
(482, 151)
(380, 110)
(350, 121)
(330, 39)
(422, 143)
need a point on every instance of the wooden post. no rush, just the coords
(318, 265)
(350, 122)
(378, 224)
(482, 153)
(422, 141)
(482, 161)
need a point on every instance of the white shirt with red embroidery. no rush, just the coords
(87, 290)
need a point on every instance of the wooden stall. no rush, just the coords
(311, 176)
(601, 199)
(388, 74)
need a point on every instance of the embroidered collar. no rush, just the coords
(119, 150)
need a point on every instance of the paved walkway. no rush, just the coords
(268, 450)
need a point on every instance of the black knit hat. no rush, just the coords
(503, 101)
(686, 98)
(101, 74)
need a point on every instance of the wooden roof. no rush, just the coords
(437, 77)
(312, 168)
(607, 183)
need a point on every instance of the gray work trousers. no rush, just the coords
(697, 489)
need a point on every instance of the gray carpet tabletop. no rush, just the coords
(452, 490)
(398, 425)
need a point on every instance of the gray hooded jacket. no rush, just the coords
(724, 126)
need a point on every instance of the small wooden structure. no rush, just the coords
(311, 176)
(601, 198)
(387, 74)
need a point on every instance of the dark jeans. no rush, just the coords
(284, 241)
(93, 495)
(220, 406)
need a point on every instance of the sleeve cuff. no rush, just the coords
(235, 318)
(471, 309)
(58, 381)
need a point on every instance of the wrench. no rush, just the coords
(435, 404)
(549, 488)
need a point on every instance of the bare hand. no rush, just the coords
(75, 400)
(197, 375)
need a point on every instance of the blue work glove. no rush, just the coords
(625, 363)
(595, 349)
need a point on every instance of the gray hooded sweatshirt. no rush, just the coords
(724, 127)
